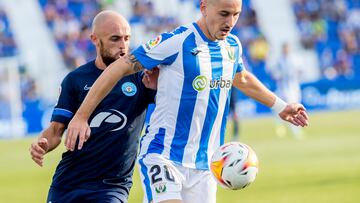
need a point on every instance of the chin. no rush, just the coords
(222, 37)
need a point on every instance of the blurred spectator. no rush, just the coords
(33, 109)
(7, 43)
(233, 115)
(146, 23)
(5, 113)
(332, 28)
(287, 75)
(70, 22)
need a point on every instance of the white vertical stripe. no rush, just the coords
(227, 73)
(200, 107)
(171, 78)
(175, 81)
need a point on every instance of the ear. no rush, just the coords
(94, 39)
(203, 7)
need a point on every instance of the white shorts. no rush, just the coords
(164, 180)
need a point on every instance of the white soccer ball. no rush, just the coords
(234, 165)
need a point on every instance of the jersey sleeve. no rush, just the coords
(240, 62)
(66, 105)
(163, 50)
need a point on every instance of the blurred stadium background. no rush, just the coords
(42, 40)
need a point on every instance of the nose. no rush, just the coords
(231, 21)
(122, 43)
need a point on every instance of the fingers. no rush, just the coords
(71, 137)
(295, 114)
(37, 153)
(301, 118)
(43, 143)
(84, 136)
(77, 130)
(87, 134)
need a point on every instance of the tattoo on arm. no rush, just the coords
(135, 64)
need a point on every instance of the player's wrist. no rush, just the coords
(279, 105)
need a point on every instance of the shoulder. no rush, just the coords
(78, 73)
(233, 40)
(177, 35)
(83, 69)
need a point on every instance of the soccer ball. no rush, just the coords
(234, 165)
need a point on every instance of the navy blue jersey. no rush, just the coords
(108, 156)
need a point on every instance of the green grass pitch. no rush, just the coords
(324, 167)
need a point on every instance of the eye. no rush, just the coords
(224, 13)
(115, 38)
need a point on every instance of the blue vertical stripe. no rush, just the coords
(157, 144)
(212, 108)
(146, 180)
(224, 119)
(238, 67)
(233, 43)
(142, 137)
(187, 101)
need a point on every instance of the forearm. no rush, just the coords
(53, 135)
(255, 89)
(102, 86)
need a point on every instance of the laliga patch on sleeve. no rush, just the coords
(153, 43)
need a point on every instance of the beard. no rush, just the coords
(105, 55)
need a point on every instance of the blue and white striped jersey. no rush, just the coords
(192, 99)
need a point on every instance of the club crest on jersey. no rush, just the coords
(160, 188)
(112, 116)
(129, 89)
(153, 43)
(231, 53)
(201, 82)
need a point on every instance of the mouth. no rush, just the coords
(225, 31)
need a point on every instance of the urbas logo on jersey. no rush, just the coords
(111, 117)
(153, 43)
(201, 82)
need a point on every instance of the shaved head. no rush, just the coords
(213, 2)
(111, 36)
(107, 18)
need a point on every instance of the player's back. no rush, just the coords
(196, 74)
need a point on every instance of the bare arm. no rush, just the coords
(252, 87)
(78, 126)
(105, 83)
(49, 139)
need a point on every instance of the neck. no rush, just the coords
(99, 63)
(201, 23)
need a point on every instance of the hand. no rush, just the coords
(150, 78)
(295, 114)
(77, 127)
(38, 149)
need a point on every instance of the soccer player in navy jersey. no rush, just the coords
(198, 65)
(102, 170)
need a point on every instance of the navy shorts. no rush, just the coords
(87, 195)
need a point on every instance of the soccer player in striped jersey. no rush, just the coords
(198, 64)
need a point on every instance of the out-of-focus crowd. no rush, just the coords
(7, 43)
(332, 28)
